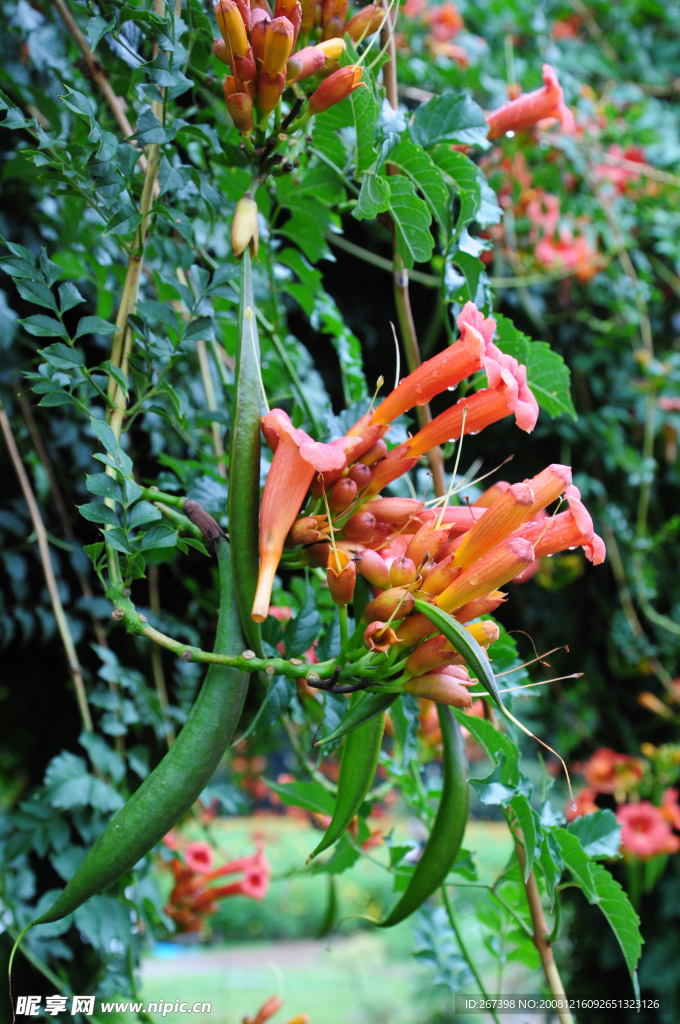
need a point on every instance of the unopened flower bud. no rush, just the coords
(308, 16)
(503, 517)
(416, 627)
(304, 63)
(480, 606)
(221, 51)
(429, 655)
(337, 87)
(427, 542)
(303, 531)
(259, 26)
(378, 636)
(317, 554)
(341, 574)
(230, 23)
(491, 493)
(333, 48)
(292, 10)
(393, 604)
(403, 572)
(373, 568)
(442, 687)
(333, 17)
(269, 91)
(493, 570)
(426, 568)
(342, 493)
(366, 22)
(444, 573)
(245, 71)
(360, 528)
(278, 45)
(360, 474)
(244, 229)
(374, 454)
(239, 105)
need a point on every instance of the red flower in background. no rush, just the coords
(644, 831)
(531, 108)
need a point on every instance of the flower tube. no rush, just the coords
(531, 107)
(337, 87)
(497, 567)
(297, 457)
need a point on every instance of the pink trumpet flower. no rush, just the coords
(532, 107)
(297, 457)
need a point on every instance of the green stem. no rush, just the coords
(342, 615)
(459, 939)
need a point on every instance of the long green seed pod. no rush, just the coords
(441, 849)
(358, 762)
(366, 707)
(171, 789)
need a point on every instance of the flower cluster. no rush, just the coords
(267, 51)
(194, 897)
(647, 806)
(456, 557)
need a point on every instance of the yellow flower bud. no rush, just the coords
(244, 229)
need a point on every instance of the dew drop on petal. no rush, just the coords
(452, 387)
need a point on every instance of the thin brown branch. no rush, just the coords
(48, 570)
(540, 929)
(402, 297)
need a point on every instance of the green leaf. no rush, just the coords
(450, 118)
(244, 462)
(274, 706)
(411, 218)
(107, 437)
(96, 28)
(307, 227)
(98, 512)
(311, 796)
(305, 627)
(622, 918)
(69, 296)
(44, 326)
(143, 512)
(548, 375)
(527, 823)
(418, 165)
(374, 197)
(36, 292)
(465, 279)
(599, 833)
(104, 486)
(365, 108)
(579, 863)
(501, 785)
(62, 356)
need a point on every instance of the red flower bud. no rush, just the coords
(395, 603)
(303, 531)
(403, 572)
(304, 63)
(480, 606)
(269, 92)
(360, 528)
(442, 687)
(308, 16)
(341, 574)
(337, 87)
(373, 568)
(366, 22)
(259, 25)
(360, 474)
(333, 17)
(427, 542)
(292, 10)
(317, 554)
(342, 493)
(444, 573)
(374, 454)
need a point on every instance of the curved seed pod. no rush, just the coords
(244, 461)
(358, 762)
(366, 707)
(441, 849)
(170, 790)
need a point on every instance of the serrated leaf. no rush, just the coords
(161, 536)
(106, 436)
(98, 512)
(599, 833)
(96, 28)
(104, 486)
(62, 356)
(411, 218)
(450, 118)
(274, 706)
(418, 165)
(465, 279)
(622, 918)
(501, 785)
(548, 375)
(374, 197)
(579, 863)
(365, 113)
(305, 627)
(143, 512)
(69, 296)
(37, 292)
(93, 325)
(44, 326)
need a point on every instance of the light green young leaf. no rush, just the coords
(374, 197)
